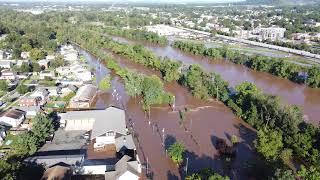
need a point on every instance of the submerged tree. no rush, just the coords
(269, 143)
(176, 152)
(105, 83)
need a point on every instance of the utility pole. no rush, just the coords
(147, 167)
(187, 166)
(163, 137)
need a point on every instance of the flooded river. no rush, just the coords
(203, 124)
(292, 93)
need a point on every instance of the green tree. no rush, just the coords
(25, 67)
(22, 89)
(105, 83)
(35, 67)
(282, 174)
(3, 85)
(314, 76)
(9, 167)
(269, 143)
(57, 62)
(37, 54)
(133, 83)
(25, 145)
(42, 127)
(176, 152)
(312, 173)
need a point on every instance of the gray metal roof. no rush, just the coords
(125, 142)
(85, 93)
(110, 119)
(122, 166)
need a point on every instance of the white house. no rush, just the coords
(13, 117)
(63, 91)
(107, 126)
(6, 64)
(84, 75)
(50, 57)
(71, 56)
(20, 62)
(46, 74)
(8, 74)
(42, 93)
(43, 63)
(25, 55)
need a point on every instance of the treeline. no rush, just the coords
(275, 66)
(138, 34)
(33, 36)
(137, 53)
(262, 111)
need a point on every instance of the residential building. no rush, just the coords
(20, 62)
(107, 126)
(76, 142)
(13, 118)
(50, 57)
(31, 111)
(124, 169)
(65, 90)
(8, 74)
(44, 63)
(6, 64)
(67, 82)
(272, 33)
(84, 97)
(71, 56)
(42, 93)
(25, 55)
(29, 101)
(53, 90)
(46, 74)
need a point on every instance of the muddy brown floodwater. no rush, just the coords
(292, 93)
(203, 124)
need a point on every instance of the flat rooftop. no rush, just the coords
(66, 140)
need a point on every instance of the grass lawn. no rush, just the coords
(2, 93)
(9, 140)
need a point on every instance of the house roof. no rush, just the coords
(85, 93)
(72, 88)
(42, 91)
(57, 172)
(122, 166)
(110, 119)
(14, 113)
(124, 142)
(28, 108)
(5, 63)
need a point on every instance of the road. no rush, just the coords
(269, 46)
